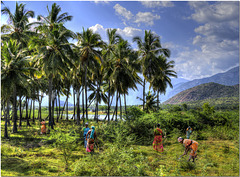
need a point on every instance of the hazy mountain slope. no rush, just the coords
(205, 91)
(230, 77)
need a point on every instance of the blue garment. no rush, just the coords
(188, 132)
(85, 130)
(92, 132)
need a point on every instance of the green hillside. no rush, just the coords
(211, 92)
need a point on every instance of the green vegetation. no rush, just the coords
(124, 148)
(37, 59)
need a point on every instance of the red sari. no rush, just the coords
(157, 143)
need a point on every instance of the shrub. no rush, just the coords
(65, 142)
(114, 161)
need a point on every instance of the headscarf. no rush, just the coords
(180, 139)
(92, 132)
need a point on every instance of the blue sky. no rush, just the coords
(203, 36)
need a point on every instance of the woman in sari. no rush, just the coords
(189, 145)
(157, 143)
(43, 127)
(91, 139)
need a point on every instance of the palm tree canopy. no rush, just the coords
(54, 16)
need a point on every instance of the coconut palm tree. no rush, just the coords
(162, 76)
(19, 26)
(54, 55)
(150, 102)
(123, 77)
(149, 48)
(14, 71)
(107, 53)
(54, 17)
(89, 43)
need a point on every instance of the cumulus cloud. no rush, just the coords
(126, 33)
(216, 40)
(101, 1)
(217, 12)
(154, 4)
(123, 12)
(146, 18)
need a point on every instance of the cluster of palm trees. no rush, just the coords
(37, 59)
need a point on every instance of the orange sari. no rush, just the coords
(193, 145)
(157, 143)
(43, 127)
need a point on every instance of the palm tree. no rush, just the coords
(54, 17)
(89, 42)
(54, 55)
(14, 71)
(19, 26)
(150, 102)
(148, 49)
(123, 77)
(162, 78)
(54, 47)
(113, 39)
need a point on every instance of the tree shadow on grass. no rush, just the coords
(15, 164)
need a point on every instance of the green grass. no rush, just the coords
(21, 157)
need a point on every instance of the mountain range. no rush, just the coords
(205, 91)
(231, 77)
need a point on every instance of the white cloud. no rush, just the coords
(129, 32)
(146, 18)
(217, 12)
(123, 12)
(126, 33)
(101, 1)
(154, 4)
(216, 41)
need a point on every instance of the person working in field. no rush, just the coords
(188, 132)
(91, 139)
(157, 143)
(189, 145)
(43, 127)
(85, 131)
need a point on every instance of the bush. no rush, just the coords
(114, 161)
(65, 142)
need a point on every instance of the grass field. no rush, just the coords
(28, 153)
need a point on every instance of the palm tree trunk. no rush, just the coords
(109, 102)
(15, 109)
(158, 98)
(63, 108)
(116, 105)
(56, 107)
(59, 105)
(67, 109)
(120, 107)
(125, 102)
(53, 99)
(74, 106)
(78, 108)
(85, 84)
(6, 121)
(20, 108)
(83, 106)
(27, 117)
(30, 111)
(50, 101)
(144, 82)
(33, 111)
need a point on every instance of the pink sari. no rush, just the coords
(157, 143)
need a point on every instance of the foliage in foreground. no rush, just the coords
(124, 148)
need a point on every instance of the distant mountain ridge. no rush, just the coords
(229, 78)
(204, 91)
